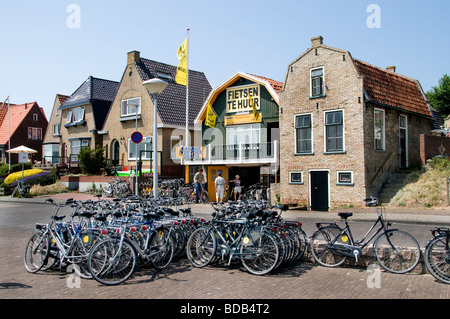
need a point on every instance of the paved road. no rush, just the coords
(302, 280)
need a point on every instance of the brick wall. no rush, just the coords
(343, 91)
(430, 144)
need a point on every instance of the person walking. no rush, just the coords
(237, 187)
(199, 180)
(220, 187)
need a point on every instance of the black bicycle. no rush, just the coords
(437, 254)
(395, 250)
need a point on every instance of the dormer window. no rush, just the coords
(75, 115)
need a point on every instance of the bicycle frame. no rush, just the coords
(383, 228)
(233, 243)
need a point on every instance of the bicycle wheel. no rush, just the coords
(302, 238)
(262, 256)
(36, 252)
(162, 248)
(112, 262)
(320, 242)
(204, 198)
(397, 251)
(437, 258)
(201, 247)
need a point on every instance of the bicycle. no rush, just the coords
(395, 250)
(234, 238)
(66, 242)
(21, 189)
(437, 254)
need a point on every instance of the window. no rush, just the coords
(34, 133)
(131, 107)
(35, 117)
(145, 145)
(75, 115)
(245, 134)
(317, 82)
(379, 129)
(56, 129)
(303, 131)
(334, 131)
(77, 145)
(344, 178)
(295, 177)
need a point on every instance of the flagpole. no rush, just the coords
(187, 103)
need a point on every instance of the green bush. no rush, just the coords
(91, 161)
(14, 168)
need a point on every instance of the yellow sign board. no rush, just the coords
(242, 119)
(238, 98)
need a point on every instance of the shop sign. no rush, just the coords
(238, 98)
(242, 119)
(191, 152)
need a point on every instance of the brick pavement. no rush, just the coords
(302, 280)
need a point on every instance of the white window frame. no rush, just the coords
(322, 94)
(339, 182)
(148, 146)
(56, 129)
(296, 137)
(231, 135)
(325, 132)
(295, 182)
(79, 110)
(383, 130)
(35, 117)
(129, 113)
(406, 135)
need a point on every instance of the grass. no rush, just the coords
(426, 188)
(56, 188)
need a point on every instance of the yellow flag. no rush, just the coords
(255, 111)
(182, 69)
(210, 117)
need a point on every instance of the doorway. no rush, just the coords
(115, 152)
(403, 141)
(212, 175)
(319, 193)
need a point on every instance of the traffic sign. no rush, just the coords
(136, 137)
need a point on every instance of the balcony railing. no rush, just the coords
(237, 154)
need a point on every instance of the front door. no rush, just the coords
(403, 141)
(319, 190)
(212, 174)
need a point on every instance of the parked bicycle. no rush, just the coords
(395, 250)
(437, 254)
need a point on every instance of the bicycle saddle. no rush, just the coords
(345, 215)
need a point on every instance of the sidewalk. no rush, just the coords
(429, 216)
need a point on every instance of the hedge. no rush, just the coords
(11, 178)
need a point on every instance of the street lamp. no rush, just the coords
(155, 87)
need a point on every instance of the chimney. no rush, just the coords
(391, 68)
(316, 41)
(25, 106)
(133, 56)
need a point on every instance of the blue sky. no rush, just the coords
(41, 55)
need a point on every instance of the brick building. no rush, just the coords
(76, 120)
(25, 125)
(133, 101)
(345, 126)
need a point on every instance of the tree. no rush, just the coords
(439, 96)
(91, 160)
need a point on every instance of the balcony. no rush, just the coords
(232, 154)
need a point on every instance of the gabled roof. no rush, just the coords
(17, 114)
(172, 101)
(272, 86)
(100, 93)
(391, 89)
